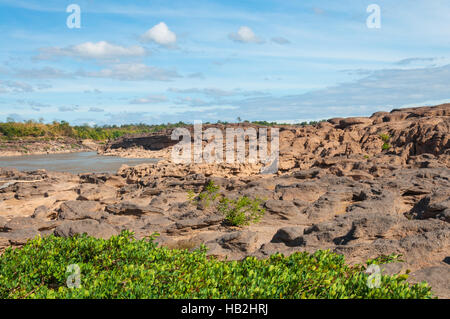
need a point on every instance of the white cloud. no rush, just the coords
(95, 91)
(127, 71)
(68, 108)
(215, 92)
(205, 91)
(41, 73)
(410, 61)
(33, 104)
(15, 87)
(191, 101)
(96, 109)
(381, 90)
(132, 72)
(93, 50)
(150, 100)
(245, 35)
(160, 34)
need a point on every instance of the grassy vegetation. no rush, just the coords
(241, 211)
(385, 138)
(207, 196)
(123, 267)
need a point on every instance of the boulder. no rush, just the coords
(128, 208)
(96, 192)
(344, 123)
(86, 226)
(284, 208)
(241, 241)
(436, 277)
(40, 212)
(291, 236)
(80, 209)
(19, 237)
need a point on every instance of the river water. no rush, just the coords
(82, 162)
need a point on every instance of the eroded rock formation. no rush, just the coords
(336, 189)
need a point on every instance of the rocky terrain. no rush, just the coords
(339, 186)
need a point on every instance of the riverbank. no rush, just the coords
(40, 146)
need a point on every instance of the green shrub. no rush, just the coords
(385, 146)
(238, 212)
(241, 211)
(207, 196)
(122, 267)
(385, 138)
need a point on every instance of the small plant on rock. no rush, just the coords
(238, 212)
(207, 196)
(385, 138)
(242, 211)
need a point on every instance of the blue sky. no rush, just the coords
(166, 61)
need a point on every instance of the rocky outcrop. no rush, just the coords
(336, 189)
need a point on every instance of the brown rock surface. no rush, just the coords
(335, 189)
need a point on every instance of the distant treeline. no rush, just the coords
(12, 130)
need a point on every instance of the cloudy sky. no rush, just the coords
(169, 60)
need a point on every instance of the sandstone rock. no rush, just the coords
(3, 222)
(96, 192)
(372, 226)
(291, 236)
(307, 191)
(354, 121)
(283, 208)
(30, 190)
(436, 276)
(80, 209)
(86, 226)
(40, 212)
(201, 222)
(18, 223)
(127, 208)
(20, 237)
(242, 241)
(307, 174)
(444, 215)
(433, 205)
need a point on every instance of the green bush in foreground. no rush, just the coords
(241, 211)
(122, 267)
